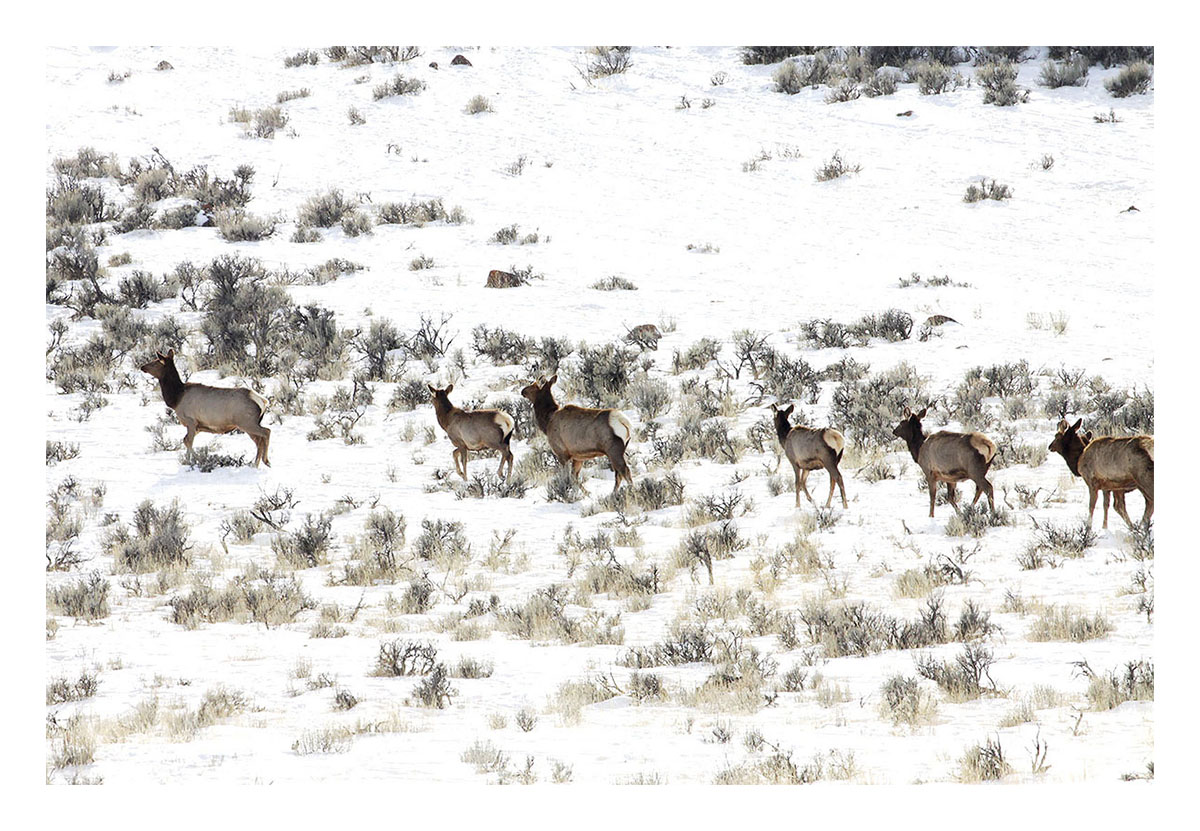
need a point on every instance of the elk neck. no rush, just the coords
(443, 409)
(1071, 454)
(171, 385)
(544, 407)
(782, 427)
(914, 443)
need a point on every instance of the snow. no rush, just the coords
(622, 182)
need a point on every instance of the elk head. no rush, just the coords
(910, 428)
(1067, 437)
(532, 391)
(158, 367)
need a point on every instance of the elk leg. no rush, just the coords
(260, 436)
(1146, 486)
(576, 467)
(804, 484)
(932, 483)
(842, 487)
(978, 491)
(1092, 492)
(983, 486)
(832, 471)
(1107, 497)
(1119, 504)
(190, 437)
(952, 495)
(463, 454)
(505, 456)
(796, 473)
(616, 458)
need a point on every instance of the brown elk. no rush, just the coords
(1113, 465)
(579, 433)
(948, 457)
(474, 430)
(204, 409)
(811, 449)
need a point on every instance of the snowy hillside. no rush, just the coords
(250, 624)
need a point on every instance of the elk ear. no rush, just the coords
(1076, 425)
(432, 388)
(907, 412)
(170, 356)
(789, 409)
(921, 414)
(1088, 435)
(449, 389)
(1062, 425)
(553, 378)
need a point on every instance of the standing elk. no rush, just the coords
(811, 449)
(579, 433)
(475, 430)
(204, 409)
(948, 457)
(1114, 465)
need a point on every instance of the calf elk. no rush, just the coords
(1114, 465)
(475, 430)
(204, 409)
(579, 433)
(948, 457)
(811, 449)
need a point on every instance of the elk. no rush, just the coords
(948, 457)
(811, 449)
(474, 430)
(1114, 465)
(579, 433)
(204, 409)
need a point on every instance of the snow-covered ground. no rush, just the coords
(622, 181)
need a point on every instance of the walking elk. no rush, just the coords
(811, 449)
(474, 430)
(204, 409)
(579, 433)
(948, 457)
(1114, 465)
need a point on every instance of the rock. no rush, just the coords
(938, 320)
(904, 114)
(497, 279)
(646, 336)
(433, 64)
(162, 65)
(459, 60)
(1131, 208)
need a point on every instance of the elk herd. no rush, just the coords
(1109, 465)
